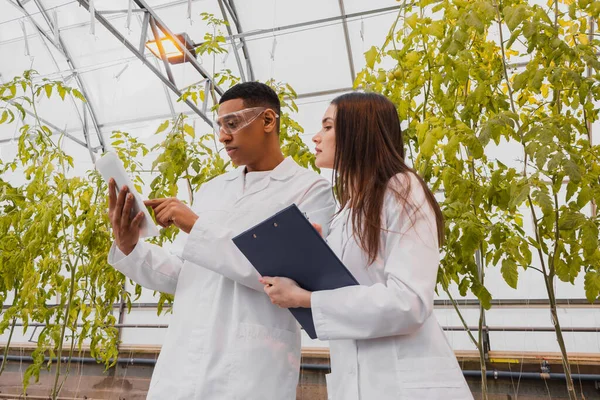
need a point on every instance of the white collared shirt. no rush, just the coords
(251, 178)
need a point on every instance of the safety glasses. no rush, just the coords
(234, 122)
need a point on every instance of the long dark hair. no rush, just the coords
(369, 152)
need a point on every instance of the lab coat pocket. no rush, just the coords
(429, 373)
(262, 351)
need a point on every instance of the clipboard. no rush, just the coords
(287, 245)
(111, 166)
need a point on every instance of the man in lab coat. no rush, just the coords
(226, 340)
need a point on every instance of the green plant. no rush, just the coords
(459, 95)
(55, 241)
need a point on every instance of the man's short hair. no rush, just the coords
(254, 94)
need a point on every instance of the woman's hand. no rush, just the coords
(285, 293)
(319, 228)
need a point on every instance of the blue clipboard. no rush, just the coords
(287, 245)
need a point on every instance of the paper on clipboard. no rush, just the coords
(111, 166)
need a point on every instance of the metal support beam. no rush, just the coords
(144, 36)
(63, 49)
(161, 50)
(109, 12)
(233, 45)
(458, 328)
(438, 303)
(484, 336)
(121, 316)
(347, 39)
(518, 303)
(326, 367)
(50, 125)
(115, 32)
(86, 135)
(271, 31)
(324, 93)
(169, 100)
(206, 91)
(145, 22)
(163, 27)
(238, 26)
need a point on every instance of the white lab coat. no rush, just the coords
(226, 341)
(385, 343)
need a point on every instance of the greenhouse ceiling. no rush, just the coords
(315, 46)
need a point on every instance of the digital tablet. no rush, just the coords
(111, 166)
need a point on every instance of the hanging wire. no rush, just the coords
(512, 381)
(274, 45)
(92, 18)
(25, 38)
(118, 74)
(362, 34)
(129, 13)
(15, 134)
(362, 29)
(574, 342)
(80, 368)
(537, 348)
(55, 30)
(530, 322)
(226, 55)
(122, 377)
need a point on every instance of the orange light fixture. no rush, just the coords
(172, 52)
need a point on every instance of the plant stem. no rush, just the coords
(481, 270)
(455, 305)
(7, 345)
(552, 299)
(70, 355)
(189, 187)
(55, 388)
(12, 329)
(482, 360)
(548, 281)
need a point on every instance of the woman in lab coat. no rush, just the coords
(385, 342)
